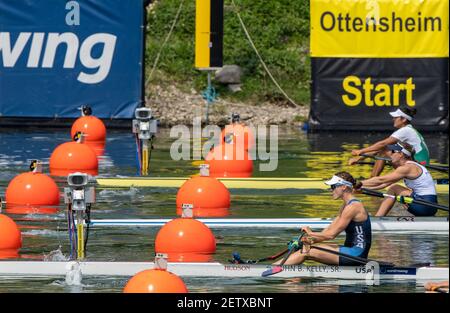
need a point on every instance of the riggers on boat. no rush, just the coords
(408, 224)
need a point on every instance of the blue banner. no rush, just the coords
(56, 56)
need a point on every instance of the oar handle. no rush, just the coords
(291, 249)
(371, 192)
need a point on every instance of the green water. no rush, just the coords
(300, 155)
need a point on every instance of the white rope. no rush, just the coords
(259, 56)
(164, 43)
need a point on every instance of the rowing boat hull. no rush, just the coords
(385, 224)
(231, 183)
(38, 269)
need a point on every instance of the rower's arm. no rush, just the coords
(380, 182)
(337, 227)
(378, 146)
(336, 220)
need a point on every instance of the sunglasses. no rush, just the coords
(395, 151)
(334, 186)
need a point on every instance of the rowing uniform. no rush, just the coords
(423, 188)
(358, 239)
(412, 137)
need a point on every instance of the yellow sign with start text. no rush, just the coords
(380, 28)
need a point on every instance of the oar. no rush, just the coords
(440, 168)
(365, 163)
(353, 258)
(403, 199)
(279, 268)
(375, 157)
(238, 260)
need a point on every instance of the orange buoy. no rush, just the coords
(10, 237)
(32, 189)
(9, 254)
(229, 161)
(155, 281)
(186, 240)
(93, 127)
(72, 157)
(239, 135)
(209, 197)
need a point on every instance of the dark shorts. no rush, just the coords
(422, 210)
(353, 251)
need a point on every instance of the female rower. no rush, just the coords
(352, 218)
(405, 133)
(419, 182)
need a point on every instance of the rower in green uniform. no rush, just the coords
(405, 133)
(353, 219)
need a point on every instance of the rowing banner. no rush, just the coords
(370, 56)
(58, 55)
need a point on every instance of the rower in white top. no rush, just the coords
(419, 182)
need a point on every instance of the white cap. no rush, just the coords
(336, 180)
(399, 147)
(400, 113)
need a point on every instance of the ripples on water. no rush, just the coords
(300, 155)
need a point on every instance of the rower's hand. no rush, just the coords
(306, 230)
(308, 240)
(354, 160)
(356, 152)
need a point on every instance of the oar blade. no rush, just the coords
(272, 271)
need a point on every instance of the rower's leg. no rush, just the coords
(388, 203)
(377, 168)
(323, 256)
(297, 257)
(313, 254)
